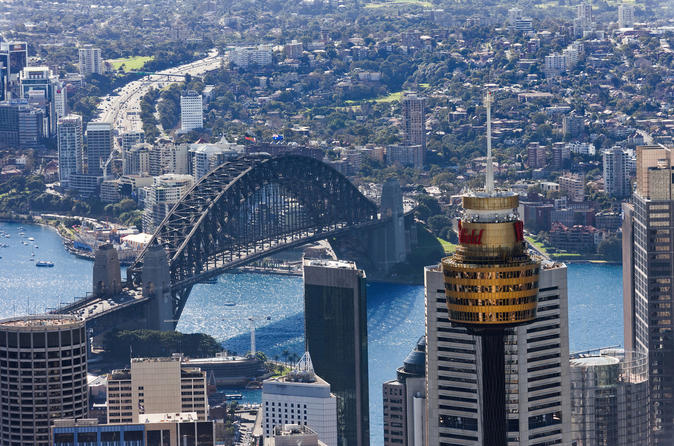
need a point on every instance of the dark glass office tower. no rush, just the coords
(335, 315)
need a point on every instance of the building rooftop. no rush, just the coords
(342, 264)
(168, 417)
(41, 321)
(594, 361)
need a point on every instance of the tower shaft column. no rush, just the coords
(493, 394)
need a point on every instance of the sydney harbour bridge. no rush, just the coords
(240, 212)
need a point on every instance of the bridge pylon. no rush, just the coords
(157, 286)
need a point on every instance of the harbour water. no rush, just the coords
(395, 312)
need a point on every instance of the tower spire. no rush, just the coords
(489, 180)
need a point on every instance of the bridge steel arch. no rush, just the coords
(248, 208)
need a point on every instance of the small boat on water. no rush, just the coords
(230, 304)
(44, 264)
(31, 239)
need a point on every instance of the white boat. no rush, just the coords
(31, 239)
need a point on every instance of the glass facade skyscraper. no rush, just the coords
(335, 313)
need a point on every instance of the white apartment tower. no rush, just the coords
(70, 148)
(191, 111)
(625, 15)
(537, 370)
(156, 385)
(617, 172)
(302, 398)
(90, 61)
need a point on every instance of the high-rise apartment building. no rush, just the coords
(536, 156)
(99, 138)
(191, 111)
(301, 398)
(536, 367)
(43, 376)
(137, 160)
(154, 386)
(414, 120)
(617, 172)
(404, 401)
(70, 148)
(170, 158)
(625, 15)
(609, 398)
(90, 61)
(573, 126)
(205, 157)
(161, 196)
(648, 243)
(335, 326)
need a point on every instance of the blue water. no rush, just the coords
(395, 312)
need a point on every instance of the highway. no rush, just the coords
(123, 108)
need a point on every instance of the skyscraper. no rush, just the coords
(648, 243)
(414, 120)
(404, 405)
(39, 86)
(191, 111)
(335, 325)
(161, 196)
(43, 376)
(99, 146)
(70, 148)
(90, 61)
(609, 398)
(616, 172)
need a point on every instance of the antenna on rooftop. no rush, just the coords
(489, 180)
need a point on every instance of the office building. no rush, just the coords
(609, 398)
(165, 192)
(205, 157)
(404, 401)
(191, 111)
(335, 326)
(648, 242)
(153, 386)
(48, 388)
(616, 173)
(130, 139)
(625, 15)
(21, 125)
(170, 158)
(137, 159)
(300, 398)
(414, 120)
(90, 61)
(164, 429)
(13, 59)
(61, 101)
(38, 85)
(70, 148)
(536, 367)
(100, 143)
(536, 156)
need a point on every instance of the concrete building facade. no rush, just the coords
(616, 163)
(90, 61)
(161, 196)
(414, 120)
(155, 385)
(70, 148)
(99, 136)
(191, 111)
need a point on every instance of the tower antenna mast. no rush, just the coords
(489, 180)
